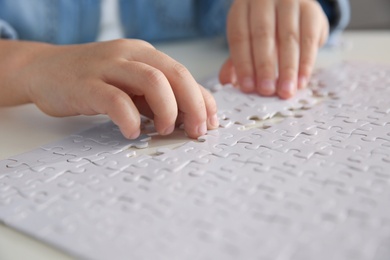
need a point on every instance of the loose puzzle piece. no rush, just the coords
(304, 178)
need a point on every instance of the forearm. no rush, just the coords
(15, 57)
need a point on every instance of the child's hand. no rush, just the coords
(120, 78)
(273, 44)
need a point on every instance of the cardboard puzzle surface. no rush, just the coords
(306, 178)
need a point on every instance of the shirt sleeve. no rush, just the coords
(6, 31)
(211, 16)
(338, 13)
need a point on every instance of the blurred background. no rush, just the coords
(370, 14)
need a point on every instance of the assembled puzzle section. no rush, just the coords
(306, 178)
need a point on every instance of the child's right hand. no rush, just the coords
(273, 45)
(120, 78)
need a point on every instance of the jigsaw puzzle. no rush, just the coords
(301, 179)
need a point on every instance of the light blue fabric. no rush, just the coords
(77, 21)
(55, 21)
(154, 20)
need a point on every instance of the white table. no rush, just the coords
(24, 128)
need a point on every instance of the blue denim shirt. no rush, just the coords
(77, 21)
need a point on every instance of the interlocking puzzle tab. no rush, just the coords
(306, 178)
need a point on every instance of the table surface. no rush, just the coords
(25, 127)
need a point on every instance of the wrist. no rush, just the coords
(17, 66)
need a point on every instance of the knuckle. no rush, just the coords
(289, 71)
(309, 41)
(180, 70)
(237, 37)
(154, 77)
(266, 68)
(115, 100)
(289, 37)
(120, 43)
(127, 43)
(289, 2)
(142, 43)
(263, 33)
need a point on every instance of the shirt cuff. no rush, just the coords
(6, 31)
(338, 13)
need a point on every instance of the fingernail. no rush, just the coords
(202, 129)
(169, 130)
(287, 87)
(267, 87)
(302, 82)
(213, 121)
(247, 84)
